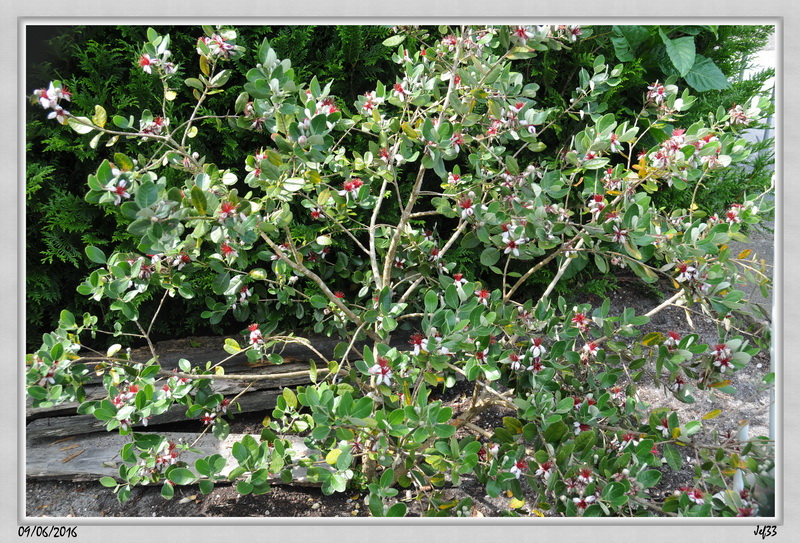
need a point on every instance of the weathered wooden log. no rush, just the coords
(53, 427)
(89, 457)
(199, 351)
(298, 371)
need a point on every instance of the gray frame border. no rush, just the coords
(435, 14)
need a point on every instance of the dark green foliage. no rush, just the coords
(351, 56)
(98, 64)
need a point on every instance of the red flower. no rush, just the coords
(466, 208)
(419, 342)
(585, 476)
(227, 250)
(208, 418)
(145, 63)
(580, 321)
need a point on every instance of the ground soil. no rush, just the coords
(751, 402)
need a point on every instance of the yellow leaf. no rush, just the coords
(720, 384)
(745, 253)
(676, 432)
(512, 425)
(712, 414)
(99, 118)
(516, 504)
(537, 513)
(232, 344)
(737, 462)
(448, 505)
(333, 456)
(170, 95)
(204, 65)
(409, 131)
(219, 370)
(653, 338)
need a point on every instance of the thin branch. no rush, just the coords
(147, 338)
(561, 270)
(241, 377)
(305, 272)
(155, 315)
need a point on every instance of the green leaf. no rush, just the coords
(120, 121)
(293, 184)
(431, 301)
(444, 430)
(626, 39)
(397, 510)
(705, 75)
(555, 432)
(206, 486)
(167, 491)
(79, 124)
(648, 478)
(146, 195)
(290, 397)
(240, 452)
(108, 482)
(244, 488)
(181, 476)
(95, 254)
(681, 52)
(199, 199)
(600, 262)
(67, 319)
(451, 296)
(387, 478)
(490, 256)
(394, 41)
(344, 460)
(565, 405)
(221, 283)
(672, 456)
(320, 432)
(194, 83)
